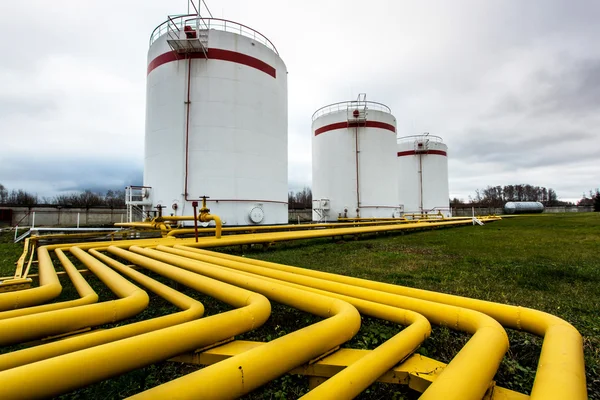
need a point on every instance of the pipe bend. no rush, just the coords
(49, 288)
(204, 217)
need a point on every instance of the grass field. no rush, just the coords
(547, 262)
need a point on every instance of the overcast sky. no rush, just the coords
(513, 87)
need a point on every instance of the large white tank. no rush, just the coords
(216, 121)
(423, 175)
(353, 164)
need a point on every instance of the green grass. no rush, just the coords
(546, 262)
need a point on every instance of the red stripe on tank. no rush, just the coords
(215, 54)
(412, 153)
(344, 125)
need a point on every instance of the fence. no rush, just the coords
(59, 216)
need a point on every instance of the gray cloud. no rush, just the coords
(511, 86)
(49, 176)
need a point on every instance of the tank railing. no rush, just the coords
(344, 105)
(431, 138)
(172, 29)
(193, 20)
(196, 23)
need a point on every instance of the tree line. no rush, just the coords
(301, 199)
(593, 200)
(84, 199)
(497, 196)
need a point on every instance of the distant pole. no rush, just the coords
(77, 220)
(33, 220)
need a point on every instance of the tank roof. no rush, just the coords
(345, 105)
(424, 136)
(193, 20)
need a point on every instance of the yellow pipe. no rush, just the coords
(21, 260)
(176, 218)
(217, 219)
(49, 288)
(47, 378)
(351, 381)
(184, 231)
(33, 246)
(142, 225)
(283, 236)
(192, 310)
(561, 368)
(489, 339)
(85, 291)
(243, 373)
(132, 301)
(271, 237)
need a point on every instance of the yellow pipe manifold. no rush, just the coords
(54, 368)
(192, 310)
(561, 368)
(46, 378)
(489, 339)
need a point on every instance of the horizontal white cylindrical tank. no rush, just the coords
(523, 207)
(354, 162)
(216, 121)
(423, 175)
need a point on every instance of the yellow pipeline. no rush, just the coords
(192, 310)
(489, 339)
(21, 260)
(139, 225)
(205, 216)
(267, 238)
(217, 219)
(132, 301)
(283, 236)
(561, 368)
(85, 291)
(49, 288)
(61, 374)
(351, 381)
(296, 227)
(243, 373)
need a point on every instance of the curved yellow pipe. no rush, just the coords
(211, 217)
(46, 378)
(85, 291)
(132, 301)
(352, 380)
(489, 339)
(243, 373)
(561, 368)
(49, 288)
(193, 309)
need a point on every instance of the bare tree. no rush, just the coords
(3, 194)
(115, 198)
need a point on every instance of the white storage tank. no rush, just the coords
(423, 175)
(523, 207)
(216, 121)
(353, 164)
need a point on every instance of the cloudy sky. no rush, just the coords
(513, 87)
